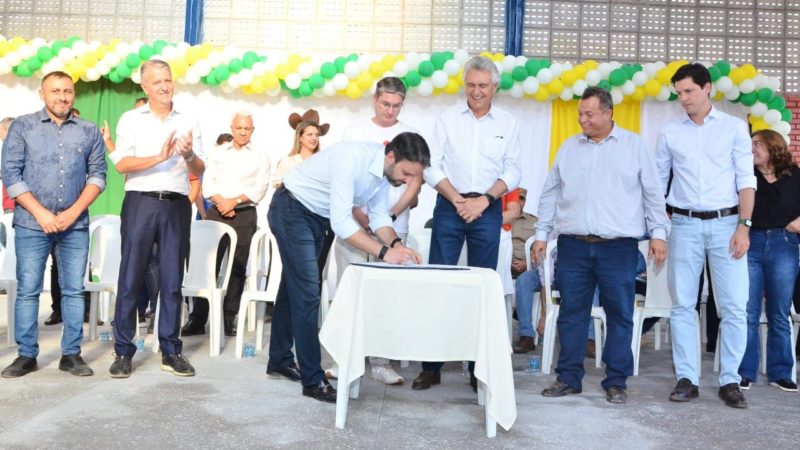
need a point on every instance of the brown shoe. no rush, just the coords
(524, 345)
(426, 379)
(590, 350)
(732, 396)
(684, 391)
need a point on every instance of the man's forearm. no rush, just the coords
(130, 164)
(746, 201)
(30, 203)
(88, 195)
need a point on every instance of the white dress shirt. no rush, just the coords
(608, 189)
(368, 131)
(141, 134)
(474, 153)
(231, 172)
(710, 163)
(332, 182)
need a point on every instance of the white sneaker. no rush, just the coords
(332, 373)
(386, 375)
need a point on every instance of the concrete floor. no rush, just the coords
(232, 404)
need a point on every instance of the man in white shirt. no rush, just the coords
(235, 181)
(158, 146)
(319, 193)
(603, 193)
(387, 102)
(711, 201)
(473, 162)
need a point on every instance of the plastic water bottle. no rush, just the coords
(139, 342)
(534, 364)
(249, 350)
(105, 336)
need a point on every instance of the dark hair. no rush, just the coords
(56, 74)
(142, 100)
(410, 147)
(779, 157)
(224, 138)
(390, 85)
(696, 71)
(602, 95)
(75, 112)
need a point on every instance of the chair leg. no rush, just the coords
(509, 298)
(699, 346)
(536, 312)
(657, 337)
(251, 316)
(155, 323)
(636, 341)
(549, 338)
(260, 313)
(794, 326)
(245, 310)
(94, 303)
(215, 324)
(598, 341)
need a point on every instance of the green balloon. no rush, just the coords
(340, 62)
(519, 73)
(221, 73)
(236, 65)
(114, 77)
(249, 58)
(629, 70)
(533, 66)
(294, 93)
(438, 59)
(618, 77)
(352, 57)
(23, 70)
(72, 39)
(316, 81)
(673, 96)
(604, 84)
(777, 103)
(159, 45)
(283, 85)
(786, 115)
(44, 54)
(715, 73)
(748, 99)
(145, 52)
(133, 60)
(426, 68)
(545, 64)
(58, 45)
(724, 67)
(33, 64)
(765, 95)
(448, 55)
(737, 99)
(123, 70)
(328, 70)
(413, 78)
(211, 80)
(305, 89)
(506, 81)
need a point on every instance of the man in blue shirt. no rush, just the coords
(54, 167)
(322, 191)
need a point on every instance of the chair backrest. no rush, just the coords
(8, 270)
(105, 245)
(528, 245)
(420, 241)
(204, 242)
(657, 294)
(259, 254)
(275, 269)
(548, 268)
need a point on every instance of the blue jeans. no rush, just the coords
(32, 247)
(772, 262)
(690, 241)
(528, 284)
(583, 268)
(300, 235)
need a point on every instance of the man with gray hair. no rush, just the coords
(602, 195)
(235, 181)
(158, 146)
(473, 163)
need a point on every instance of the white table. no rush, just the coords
(423, 315)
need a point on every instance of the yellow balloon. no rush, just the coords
(542, 94)
(193, 54)
(751, 118)
(179, 67)
(580, 71)
(16, 42)
(353, 91)
(675, 65)
(639, 94)
(205, 49)
(568, 77)
(663, 76)
(719, 96)
(388, 61)
(89, 59)
(76, 68)
(460, 76)
(247, 89)
(590, 64)
(486, 54)
(112, 44)
(271, 80)
(749, 70)
(4, 48)
(652, 87)
(293, 61)
(760, 124)
(498, 57)
(364, 81)
(282, 71)
(258, 86)
(555, 86)
(452, 86)
(376, 69)
(737, 75)
(102, 51)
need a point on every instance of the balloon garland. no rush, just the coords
(354, 76)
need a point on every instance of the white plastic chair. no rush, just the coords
(104, 261)
(536, 311)
(552, 300)
(8, 274)
(201, 279)
(262, 248)
(325, 295)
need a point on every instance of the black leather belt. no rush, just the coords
(591, 238)
(166, 196)
(471, 195)
(704, 215)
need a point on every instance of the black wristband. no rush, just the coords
(394, 217)
(490, 197)
(383, 251)
(395, 241)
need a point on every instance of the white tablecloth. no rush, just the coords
(424, 315)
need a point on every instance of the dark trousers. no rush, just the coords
(447, 238)
(300, 235)
(583, 268)
(245, 223)
(146, 220)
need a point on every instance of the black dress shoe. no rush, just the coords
(75, 365)
(322, 391)
(290, 373)
(617, 395)
(121, 367)
(560, 389)
(426, 379)
(193, 328)
(55, 318)
(177, 364)
(21, 366)
(732, 396)
(230, 327)
(684, 391)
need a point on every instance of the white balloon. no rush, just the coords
(774, 83)
(747, 86)
(304, 70)
(499, 66)
(567, 66)
(202, 67)
(650, 70)
(56, 64)
(400, 68)
(566, 94)
(412, 59)
(293, 80)
(38, 42)
(328, 89)
(724, 84)
(245, 77)
(530, 85)
(556, 69)
(509, 62)
(628, 88)
(782, 127)
(192, 77)
(123, 48)
(136, 45)
(136, 76)
(516, 90)
(663, 94)
(614, 65)
(259, 69)
(604, 69)
(26, 51)
(66, 54)
(231, 51)
(92, 74)
(772, 117)
(363, 62)
(593, 77)
(168, 53)
(451, 67)
(758, 109)
(786, 139)
(545, 76)
(660, 65)
(639, 78)
(760, 80)
(80, 47)
(112, 58)
(521, 60)
(340, 81)
(460, 55)
(234, 80)
(439, 79)
(617, 96)
(94, 45)
(13, 59)
(274, 92)
(425, 88)
(732, 93)
(4, 67)
(579, 86)
(215, 58)
(352, 70)
(183, 46)
(226, 88)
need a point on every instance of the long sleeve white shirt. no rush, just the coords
(231, 172)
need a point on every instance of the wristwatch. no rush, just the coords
(746, 222)
(189, 158)
(490, 197)
(238, 200)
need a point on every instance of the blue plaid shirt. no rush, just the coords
(54, 163)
